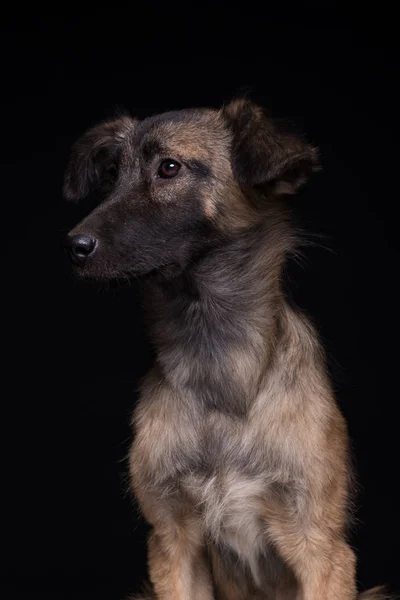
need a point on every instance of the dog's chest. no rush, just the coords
(174, 444)
(206, 463)
(231, 511)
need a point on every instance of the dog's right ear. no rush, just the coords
(93, 155)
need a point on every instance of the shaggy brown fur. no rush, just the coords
(240, 455)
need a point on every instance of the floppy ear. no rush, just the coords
(265, 155)
(92, 156)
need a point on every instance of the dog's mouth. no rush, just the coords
(169, 270)
(106, 275)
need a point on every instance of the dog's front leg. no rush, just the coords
(177, 565)
(324, 564)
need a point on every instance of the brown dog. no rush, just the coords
(240, 458)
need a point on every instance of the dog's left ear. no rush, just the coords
(265, 155)
(93, 155)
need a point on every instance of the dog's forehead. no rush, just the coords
(194, 133)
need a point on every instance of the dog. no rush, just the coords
(240, 458)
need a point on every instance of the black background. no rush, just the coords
(72, 356)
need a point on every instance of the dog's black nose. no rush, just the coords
(79, 247)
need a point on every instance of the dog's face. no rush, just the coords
(173, 185)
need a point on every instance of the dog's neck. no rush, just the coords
(214, 327)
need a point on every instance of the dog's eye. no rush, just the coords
(111, 173)
(169, 168)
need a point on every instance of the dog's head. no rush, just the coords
(175, 184)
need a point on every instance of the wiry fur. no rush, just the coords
(240, 456)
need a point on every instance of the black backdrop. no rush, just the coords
(72, 356)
